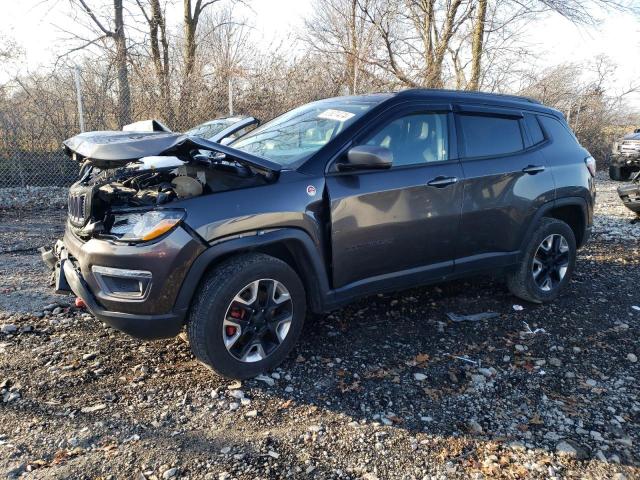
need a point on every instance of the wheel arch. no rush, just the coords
(291, 245)
(571, 210)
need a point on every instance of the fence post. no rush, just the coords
(76, 71)
(230, 92)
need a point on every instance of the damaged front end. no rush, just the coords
(126, 175)
(630, 194)
(126, 250)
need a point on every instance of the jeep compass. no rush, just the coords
(330, 202)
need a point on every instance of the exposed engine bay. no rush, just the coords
(177, 168)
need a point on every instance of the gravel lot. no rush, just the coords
(386, 388)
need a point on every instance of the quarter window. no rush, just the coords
(487, 135)
(415, 139)
(558, 131)
(534, 129)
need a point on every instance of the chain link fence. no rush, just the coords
(39, 112)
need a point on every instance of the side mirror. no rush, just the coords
(367, 157)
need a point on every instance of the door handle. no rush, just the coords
(533, 169)
(441, 181)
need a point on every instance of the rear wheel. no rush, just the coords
(548, 263)
(247, 316)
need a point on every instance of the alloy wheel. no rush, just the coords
(550, 263)
(257, 320)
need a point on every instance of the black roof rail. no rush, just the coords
(469, 93)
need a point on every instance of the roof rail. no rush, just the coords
(469, 93)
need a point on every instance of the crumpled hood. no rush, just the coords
(116, 146)
(108, 149)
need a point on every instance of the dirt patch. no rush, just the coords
(388, 387)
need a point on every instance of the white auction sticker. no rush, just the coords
(337, 115)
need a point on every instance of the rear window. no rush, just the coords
(487, 135)
(558, 132)
(534, 129)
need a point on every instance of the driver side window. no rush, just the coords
(414, 139)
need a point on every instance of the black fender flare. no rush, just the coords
(308, 257)
(545, 208)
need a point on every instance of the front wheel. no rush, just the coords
(619, 173)
(247, 316)
(547, 265)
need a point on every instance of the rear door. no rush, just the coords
(405, 219)
(506, 179)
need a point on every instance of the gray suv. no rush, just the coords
(330, 202)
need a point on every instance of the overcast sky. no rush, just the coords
(34, 24)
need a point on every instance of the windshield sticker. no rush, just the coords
(337, 115)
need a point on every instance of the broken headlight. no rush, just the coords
(144, 226)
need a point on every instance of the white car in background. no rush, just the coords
(224, 129)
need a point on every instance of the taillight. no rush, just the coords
(591, 165)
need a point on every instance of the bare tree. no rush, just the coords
(416, 36)
(339, 31)
(116, 33)
(225, 41)
(577, 11)
(191, 18)
(477, 43)
(159, 44)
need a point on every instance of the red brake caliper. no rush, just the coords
(236, 312)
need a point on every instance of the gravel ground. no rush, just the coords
(394, 389)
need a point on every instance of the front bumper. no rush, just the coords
(151, 315)
(626, 159)
(630, 196)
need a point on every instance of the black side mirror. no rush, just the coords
(367, 157)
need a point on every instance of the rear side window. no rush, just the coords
(487, 135)
(557, 130)
(534, 129)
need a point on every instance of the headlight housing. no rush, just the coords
(144, 226)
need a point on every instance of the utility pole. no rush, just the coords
(76, 71)
(230, 91)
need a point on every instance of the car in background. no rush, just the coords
(630, 194)
(227, 128)
(625, 157)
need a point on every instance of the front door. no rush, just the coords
(403, 220)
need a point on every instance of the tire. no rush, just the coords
(238, 339)
(524, 283)
(614, 173)
(619, 173)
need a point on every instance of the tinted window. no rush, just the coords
(415, 139)
(486, 135)
(534, 129)
(557, 130)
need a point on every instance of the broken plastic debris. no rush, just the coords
(465, 359)
(518, 308)
(528, 330)
(476, 317)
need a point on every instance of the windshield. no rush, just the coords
(209, 129)
(293, 137)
